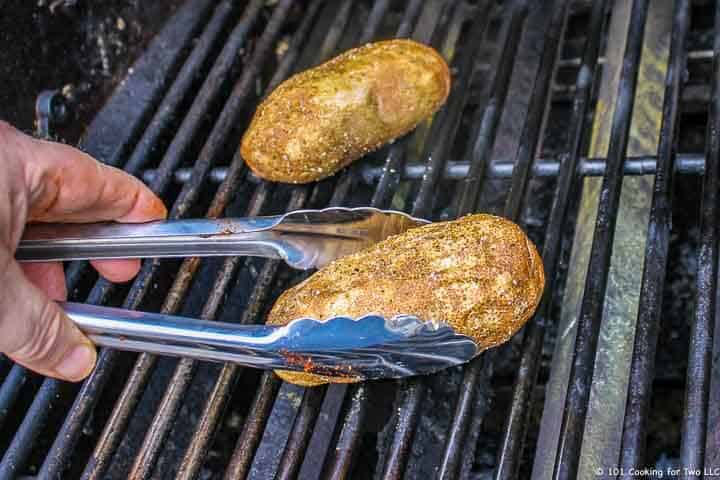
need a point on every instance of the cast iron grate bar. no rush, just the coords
(642, 369)
(10, 390)
(160, 123)
(410, 392)
(518, 417)
(302, 429)
(240, 462)
(298, 194)
(339, 463)
(479, 153)
(581, 372)
(125, 114)
(342, 456)
(300, 434)
(187, 78)
(525, 156)
(213, 145)
(209, 92)
(694, 423)
(242, 457)
(167, 411)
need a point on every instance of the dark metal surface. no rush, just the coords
(576, 404)
(209, 92)
(94, 385)
(300, 434)
(443, 131)
(167, 410)
(123, 116)
(478, 153)
(642, 370)
(517, 420)
(694, 424)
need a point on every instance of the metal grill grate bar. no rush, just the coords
(215, 141)
(338, 197)
(19, 375)
(685, 163)
(516, 425)
(581, 372)
(341, 461)
(444, 129)
(695, 415)
(411, 392)
(479, 154)
(220, 395)
(249, 440)
(300, 434)
(642, 369)
(186, 79)
(10, 389)
(211, 88)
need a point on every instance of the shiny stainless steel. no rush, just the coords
(371, 347)
(303, 238)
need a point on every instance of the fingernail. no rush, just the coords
(77, 363)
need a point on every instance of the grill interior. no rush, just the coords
(592, 124)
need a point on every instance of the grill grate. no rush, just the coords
(140, 416)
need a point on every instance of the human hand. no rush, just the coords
(50, 182)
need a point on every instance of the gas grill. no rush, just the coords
(582, 121)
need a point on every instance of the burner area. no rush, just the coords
(589, 123)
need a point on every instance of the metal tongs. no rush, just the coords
(370, 347)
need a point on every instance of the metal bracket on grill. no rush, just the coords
(51, 109)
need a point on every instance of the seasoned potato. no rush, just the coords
(322, 119)
(479, 274)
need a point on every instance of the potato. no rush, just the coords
(322, 119)
(480, 274)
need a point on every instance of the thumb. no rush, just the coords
(35, 332)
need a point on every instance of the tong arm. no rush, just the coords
(365, 348)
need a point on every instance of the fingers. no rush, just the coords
(35, 332)
(70, 186)
(67, 185)
(117, 270)
(48, 277)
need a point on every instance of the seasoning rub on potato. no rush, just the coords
(322, 119)
(480, 274)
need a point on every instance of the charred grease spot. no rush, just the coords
(308, 366)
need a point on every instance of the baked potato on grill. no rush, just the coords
(480, 274)
(322, 119)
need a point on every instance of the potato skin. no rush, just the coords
(322, 119)
(480, 274)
